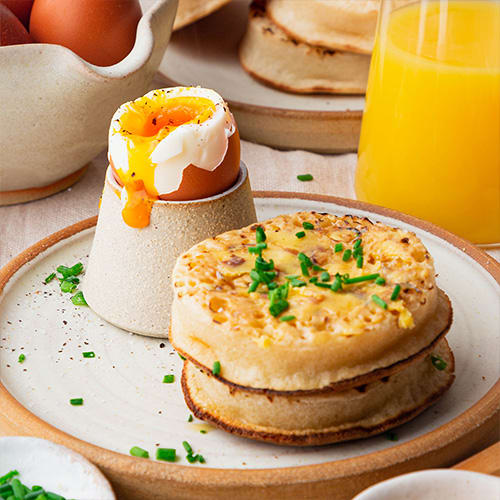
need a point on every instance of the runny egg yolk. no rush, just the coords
(144, 125)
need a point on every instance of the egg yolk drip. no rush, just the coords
(146, 123)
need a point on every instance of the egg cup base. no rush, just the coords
(128, 277)
(37, 193)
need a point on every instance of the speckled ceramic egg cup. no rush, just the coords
(128, 277)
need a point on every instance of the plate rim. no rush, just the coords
(431, 449)
(347, 114)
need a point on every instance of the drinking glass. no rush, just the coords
(430, 138)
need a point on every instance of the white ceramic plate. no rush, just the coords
(437, 484)
(205, 54)
(126, 404)
(54, 467)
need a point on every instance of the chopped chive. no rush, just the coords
(262, 265)
(274, 295)
(76, 401)
(339, 247)
(318, 268)
(304, 269)
(305, 177)
(290, 317)
(337, 284)
(78, 299)
(49, 278)
(357, 243)
(166, 454)
(190, 418)
(325, 276)
(359, 261)
(203, 431)
(300, 234)
(181, 356)
(5, 491)
(253, 286)
(395, 292)
(9, 475)
(257, 249)
(347, 255)
(70, 271)
(391, 436)
(136, 451)
(292, 277)
(17, 489)
(314, 279)
(52, 496)
(168, 379)
(195, 458)
(380, 281)
(255, 275)
(41, 496)
(357, 250)
(323, 285)
(379, 301)
(70, 279)
(297, 283)
(216, 368)
(305, 259)
(438, 362)
(67, 286)
(267, 276)
(307, 225)
(187, 447)
(260, 235)
(21, 358)
(278, 307)
(36, 494)
(359, 279)
(273, 285)
(88, 354)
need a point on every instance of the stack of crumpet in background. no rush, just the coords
(309, 46)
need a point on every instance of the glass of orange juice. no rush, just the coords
(430, 137)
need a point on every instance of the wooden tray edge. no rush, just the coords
(132, 478)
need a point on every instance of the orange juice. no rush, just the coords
(430, 139)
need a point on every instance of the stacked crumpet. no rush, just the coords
(310, 46)
(310, 329)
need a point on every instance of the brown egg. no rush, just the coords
(20, 8)
(12, 32)
(198, 183)
(100, 31)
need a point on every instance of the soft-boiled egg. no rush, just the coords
(174, 144)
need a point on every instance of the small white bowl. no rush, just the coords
(435, 484)
(56, 107)
(54, 467)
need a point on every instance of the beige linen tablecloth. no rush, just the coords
(270, 170)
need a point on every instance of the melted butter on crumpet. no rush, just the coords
(216, 275)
